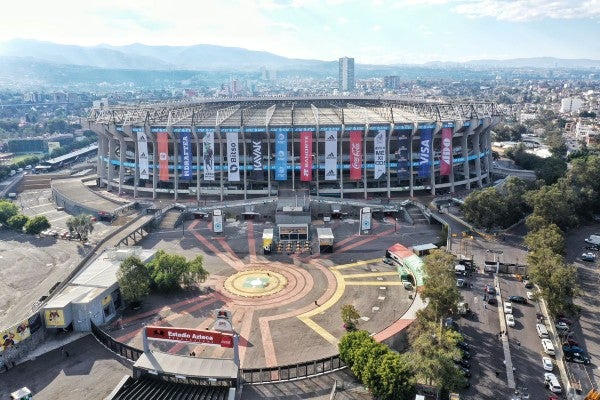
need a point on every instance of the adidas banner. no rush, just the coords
(142, 143)
(379, 148)
(331, 148)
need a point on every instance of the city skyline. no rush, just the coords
(373, 32)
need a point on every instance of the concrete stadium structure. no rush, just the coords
(353, 147)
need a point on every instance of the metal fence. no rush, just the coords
(130, 353)
(292, 371)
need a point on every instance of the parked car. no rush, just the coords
(551, 382)
(463, 346)
(530, 295)
(572, 349)
(510, 320)
(463, 363)
(518, 299)
(547, 364)
(566, 320)
(489, 289)
(466, 372)
(588, 257)
(561, 326)
(528, 285)
(570, 341)
(491, 300)
(548, 347)
(578, 358)
(507, 307)
(460, 282)
(465, 354)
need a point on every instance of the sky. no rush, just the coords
(371, 31)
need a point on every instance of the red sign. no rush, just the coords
(163, 155)
(306, 156)
(446, 160)
(355, 154)
(184, 335)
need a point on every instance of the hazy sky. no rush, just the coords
(372, 31)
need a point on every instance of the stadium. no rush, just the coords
(347, 147)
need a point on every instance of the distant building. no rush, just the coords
(59, 97)
(391, 82)
(570, 104)
(267, 74)
(346, 78)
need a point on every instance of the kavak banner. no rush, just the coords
(257, 156)
(446, 158)
(281, 155)
(142, 144)
(425, 154)
(208, 154)
(186, 155)
(380, 155)
(403, 152)
(306, 156)
(233, 159)
(163, 155)
(331, 155)
(355, 154)
(183, 335)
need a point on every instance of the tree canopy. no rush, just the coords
(80, 226)
(170, 272)
(37, 224)
(7, 210)
(134, 280)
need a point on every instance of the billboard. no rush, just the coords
(446, 156)
(281, 155)
(257, 155)
(306, 156)
(208, 155)
(186, 154)
(331, 154)
(380, 154)
(355, 154)
(425, 153)
(17, 333)
(142, 148)
(233, 157)
(217, 221)
(403, 153)
(54, 318)
(184, 335)
(365, 219)
(163, 155)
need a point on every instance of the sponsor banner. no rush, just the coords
(281, 138)
(217, 221)
(15, 334)
(446, 156)
(425, 153)
(163, 155)
(233, 159)
(380, 155)
(257, 155)
(365, 218)
(306, 162)
(331, 155)
(355, 154)
(184, 335)
(208, 155)
(186, 155)
(403, 153)
(54, 318)
(142, 148)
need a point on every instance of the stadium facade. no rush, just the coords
(357, 147)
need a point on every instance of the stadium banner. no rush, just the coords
(233, 158)
(163, 155)
(281, 138)
(256, 142)
(306, 162)
(185, 150)
(142, 148)
(380, 155)
(184, 335)
(426, 132)
(446, 154)
(331, 154)
(208, 155)
(403, 152)
(355, 154)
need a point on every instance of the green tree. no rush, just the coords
(37, 224)
(134, 280)
(349, 343)
(17, 221)
(549, 236)
(535, 222)
(485, 208)
(169, 272)
(350, 317)
(440, 286)
(7, 210)
(555, 204)
(80, 226)
(396, 379)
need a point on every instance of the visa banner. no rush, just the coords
(425, 154)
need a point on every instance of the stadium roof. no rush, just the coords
(71, 155)
(284, 111)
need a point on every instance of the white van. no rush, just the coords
(548, 347)
(542, 331)
(552, 383)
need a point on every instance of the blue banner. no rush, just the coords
(281, 138)
(403, 153)
(186, 155)
(425, 154)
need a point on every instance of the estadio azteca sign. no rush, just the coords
(183, 335)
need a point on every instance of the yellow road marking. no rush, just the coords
(355, 264)
(317, 328)
(376, 283)
(370, 275)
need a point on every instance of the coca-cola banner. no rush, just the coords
(233, 156)
(446, 156)
(208, 154)
(403, 152)
(163, 155)
(380, 155)
(331, 153)
(426, 133)
(306, 156)
(355, 154)
(256, 142)
(281, 138)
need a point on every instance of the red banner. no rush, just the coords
(446, 157)
(184, 335)
(306, 156)
(355, 154)
(163, 155)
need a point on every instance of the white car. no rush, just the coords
(510, 320)
(552, 383)
(561, 326)
(547, 363)
(507, 307)
(548, 347)
(530, 295)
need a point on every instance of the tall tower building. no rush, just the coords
(346, 78)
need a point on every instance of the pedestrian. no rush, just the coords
(316, 303)
(64, 352)
(485, 305)
(497, 373)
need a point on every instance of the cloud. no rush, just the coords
(376, 28)
(529, 10)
